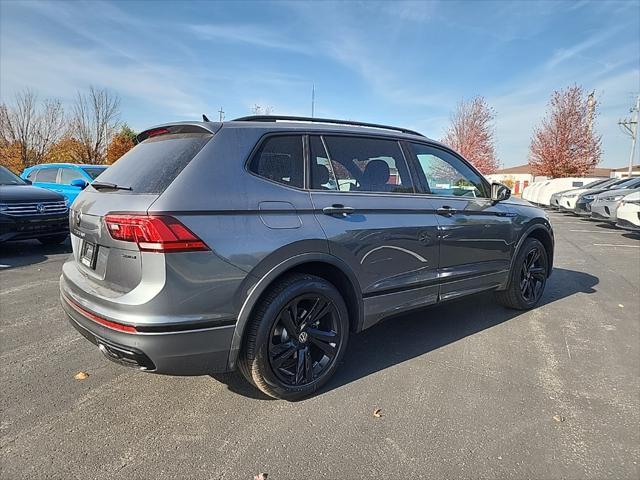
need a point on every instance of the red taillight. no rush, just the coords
(154, 233)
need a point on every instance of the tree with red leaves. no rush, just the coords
(565, 144)
(471, 134)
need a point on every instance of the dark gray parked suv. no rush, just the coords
(264, 242)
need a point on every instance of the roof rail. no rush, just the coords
(275, 118)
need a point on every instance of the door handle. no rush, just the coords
(446, 211)
(338, 210)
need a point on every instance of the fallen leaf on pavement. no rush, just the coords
(81, 376)
(558, 418)
(377, 412)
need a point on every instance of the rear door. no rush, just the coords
(364, 199)
(476, 236)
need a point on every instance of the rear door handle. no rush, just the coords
(338, 210)
(446, 211)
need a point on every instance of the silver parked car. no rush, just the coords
(261, 244)
(605, 205)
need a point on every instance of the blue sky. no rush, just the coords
(402, 63)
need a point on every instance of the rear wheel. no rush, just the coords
(53, 239)
(296, 337)
(528, 277)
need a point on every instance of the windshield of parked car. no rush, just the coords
(93, 172)
(629, 183)
(9, 178)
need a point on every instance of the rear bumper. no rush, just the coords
(32, 226)
(192, 352)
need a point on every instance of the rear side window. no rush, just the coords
(151, 166)
(280, 159)
(47, 175)
(359, 164)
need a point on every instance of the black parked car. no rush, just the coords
(31, 212)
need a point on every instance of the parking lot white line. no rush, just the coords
(595, 231)
(614, 245)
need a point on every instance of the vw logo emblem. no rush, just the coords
(40, 208)
(303, 337)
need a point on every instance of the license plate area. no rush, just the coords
(88, 254)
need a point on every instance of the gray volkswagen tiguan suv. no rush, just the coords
(262, 243)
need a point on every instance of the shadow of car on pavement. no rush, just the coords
(411, 335)
(29, 252)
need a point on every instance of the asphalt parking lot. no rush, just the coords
(466, 390)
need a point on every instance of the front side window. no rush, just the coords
(280, 159)
(356, 164)
(69, 174)
(47, 175)
(446, 174)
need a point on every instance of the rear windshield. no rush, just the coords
(151, 166)
(93, 172)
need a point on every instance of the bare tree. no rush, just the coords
(472, 134)
(31, 127)
(95, 120)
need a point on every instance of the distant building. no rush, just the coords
(517, 178)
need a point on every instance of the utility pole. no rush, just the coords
(221, 112)
(313, 99)
(591, 106)
(630, 127)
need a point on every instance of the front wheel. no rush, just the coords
(528, 277)
(296, 337)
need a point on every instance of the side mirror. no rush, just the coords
(79, 182)
(499, 192)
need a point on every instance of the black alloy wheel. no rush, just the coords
(533, 274)
(296, 337)
(527, 277)
(304, 340)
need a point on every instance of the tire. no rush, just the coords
(526, 281)
(293, 366)
(53, 239)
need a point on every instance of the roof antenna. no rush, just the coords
(204, 118)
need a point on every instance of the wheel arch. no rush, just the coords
(541, 232)
(323, 265)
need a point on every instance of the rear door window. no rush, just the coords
(280, 159)
(151, 166)
(359, 164)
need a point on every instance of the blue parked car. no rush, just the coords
(68, 179)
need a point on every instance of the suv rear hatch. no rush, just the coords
(109, 225)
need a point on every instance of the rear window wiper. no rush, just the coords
(108, 186)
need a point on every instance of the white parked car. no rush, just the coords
(543, 196)
(529, 193)
(629, 212)
(568, 199)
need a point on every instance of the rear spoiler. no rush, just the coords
(181, 127)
